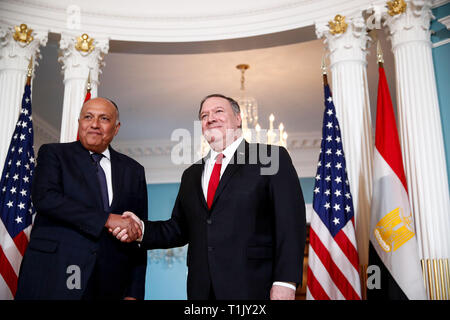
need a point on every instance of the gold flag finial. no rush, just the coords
(380, 59)
(338, 26)
(396, 7)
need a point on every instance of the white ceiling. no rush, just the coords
(158, 86)
(176, 20)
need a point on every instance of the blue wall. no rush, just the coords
(166, 282)
(163, 282)
(441, 59)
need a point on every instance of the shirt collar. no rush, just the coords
(105, 153)
(229, 151)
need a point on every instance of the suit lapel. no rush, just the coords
(116, 176)
(87, 167)
(233, 166)
(198, 181)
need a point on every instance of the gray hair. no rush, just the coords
(233, 103)
(112, 102)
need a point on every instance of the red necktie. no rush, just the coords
(214, 180)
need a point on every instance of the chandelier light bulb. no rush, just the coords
(272, 117)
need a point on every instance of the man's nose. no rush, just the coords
(211, 118)
(95, 123)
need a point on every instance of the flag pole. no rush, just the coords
(380, 59)
(324, 71)
(30, 71)
(88, 86)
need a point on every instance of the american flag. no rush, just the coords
(333, 258)
(16, 209)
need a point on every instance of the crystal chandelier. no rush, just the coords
(251, 129)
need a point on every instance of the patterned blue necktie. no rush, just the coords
(102, 180)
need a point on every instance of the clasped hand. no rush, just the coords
(126, 227)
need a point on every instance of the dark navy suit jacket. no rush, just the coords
(69, 233)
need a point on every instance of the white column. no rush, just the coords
(421, 133)
(14, 59)
(76, 65)
(347, 54)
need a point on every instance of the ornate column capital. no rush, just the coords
(79, 54)
(345, 38)
(410, 25)
(18, 44)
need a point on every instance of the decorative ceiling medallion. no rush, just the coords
(22, 34)
(84, 44)
(396, 7)
(338, 26)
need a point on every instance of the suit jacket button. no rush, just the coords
(208, 221)
(210, 248)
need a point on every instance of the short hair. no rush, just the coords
(233, 103)
(117, 109)
(112, 102)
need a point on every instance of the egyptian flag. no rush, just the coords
(393, 241)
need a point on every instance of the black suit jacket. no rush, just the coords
(253, 235)
(69, 233)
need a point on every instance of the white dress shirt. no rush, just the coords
(211, 161)
(105, 163)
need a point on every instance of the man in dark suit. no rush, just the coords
(241, 211)
(80, 190)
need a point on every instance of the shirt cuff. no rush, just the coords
(284, 284)
(142, 228)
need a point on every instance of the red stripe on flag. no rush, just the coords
(336, 275)
(21, 242)
(386, 137)
(7, 272)
(314, 287)
(88, 96)
(347, 247)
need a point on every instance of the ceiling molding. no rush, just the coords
(438, 3)
(445, 21)
(156, 21)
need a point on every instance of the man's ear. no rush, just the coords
(240, 120)
(117, 129)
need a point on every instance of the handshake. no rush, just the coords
(126, 227)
